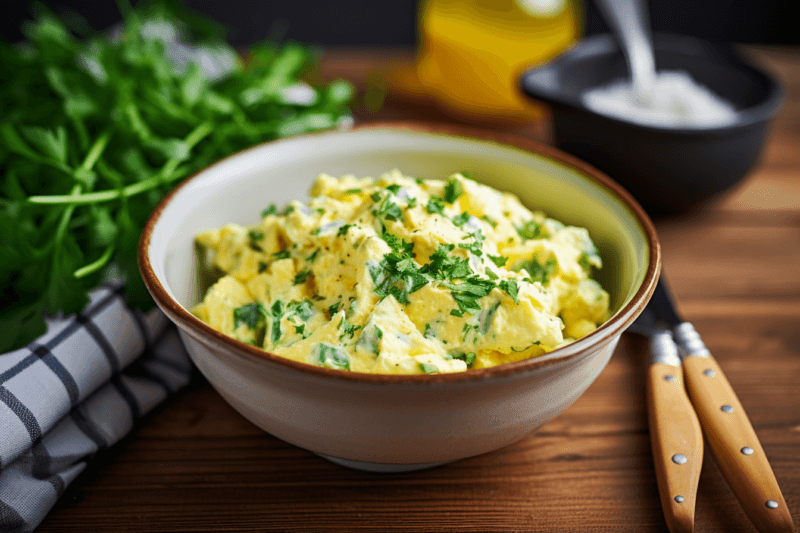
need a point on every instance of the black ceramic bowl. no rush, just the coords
(668, 169)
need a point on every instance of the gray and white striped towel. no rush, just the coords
(76, 390)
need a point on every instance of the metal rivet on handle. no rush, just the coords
(679, 459)
(679, 498)
(727, 408)
(747, 450)
(772, 504)
(708, 372)
(669, 377)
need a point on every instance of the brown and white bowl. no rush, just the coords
(398, 423)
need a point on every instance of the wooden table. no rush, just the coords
(197, 465)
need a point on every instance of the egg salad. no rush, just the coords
(398, 275)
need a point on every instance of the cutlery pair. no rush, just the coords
(679, 361)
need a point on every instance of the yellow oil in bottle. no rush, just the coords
(472, 52)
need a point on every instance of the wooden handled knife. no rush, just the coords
(729, 433)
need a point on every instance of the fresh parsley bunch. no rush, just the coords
(95, 130)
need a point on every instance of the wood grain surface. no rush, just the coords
(734, 266)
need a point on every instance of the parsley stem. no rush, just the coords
(164, 176)
(95, 151)
(95, 265)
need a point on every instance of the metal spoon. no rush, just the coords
(629, 20)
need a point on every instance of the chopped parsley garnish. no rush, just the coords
(301, 277)
(330, 356)
(467, 293)
(300, 330)
(498, 260)
(376, 196)
(491, 222)
(435, 205)
(313, 256)
(467, 329)
(460, 220)
(468, 357)
(281, 255)
(348, 330)
(250, 315)
(411, 202)
(288, 209)
(333, 309)
(510, 287)
(487, 315)
(531, 230)
(262, 267)
(271, 210)
(277, 313)
(537, 343)
(452, 190)
(388, 210)
(343, 230)
(369, 340)
(353, 191)
(319, 211)
(398, 245)
(394, 188)
(540, 272)
(428, 333)
(255, 235)
(428, 368)
(254, 317)
(303, 310)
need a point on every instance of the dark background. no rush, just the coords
(393, 22)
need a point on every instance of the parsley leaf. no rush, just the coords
(540, 272)
(254, 317)
(301, 277)
(428, 368)
(510, 287)
(343, 229)
(452, 190)
(330, 356)
(95, 132)
(498, 260)
(249, 315)
(435, 205)
(531, 230)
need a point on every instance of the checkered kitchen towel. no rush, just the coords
(76, 390)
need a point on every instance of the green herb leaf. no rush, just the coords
(531, 230)
(510, 287)
(452, 190)
(428, 368)
(435, 205)
(117, 120)
(498, 260)
(330, 356)
(301, 277)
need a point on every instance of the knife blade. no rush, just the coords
(730, 435)
(675, 435)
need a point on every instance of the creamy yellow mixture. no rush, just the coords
(398, 275)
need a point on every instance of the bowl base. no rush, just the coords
(381, 468)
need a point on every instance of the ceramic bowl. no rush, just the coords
(382, 422)
(668, 169)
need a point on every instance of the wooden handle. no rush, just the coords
(675, 435)
(735, 446)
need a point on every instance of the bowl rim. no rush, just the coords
(615, 326)
(605, 44)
